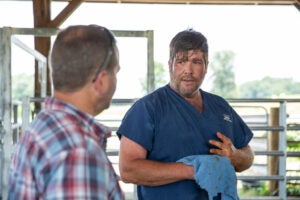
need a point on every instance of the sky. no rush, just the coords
(264, 39)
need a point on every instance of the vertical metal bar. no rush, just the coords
(2, 132)
(25, 112)
(150, 59)
(5, 107)
(282, 147)
(15, 121)
(43, 77)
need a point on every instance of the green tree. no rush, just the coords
(269, 87)
(22, 85)
(159, 77)
(223, 74)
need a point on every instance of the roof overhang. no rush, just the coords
(218, 2)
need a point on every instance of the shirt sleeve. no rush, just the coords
(138, 124)
(242, 133)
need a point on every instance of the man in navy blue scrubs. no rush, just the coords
(180, 120)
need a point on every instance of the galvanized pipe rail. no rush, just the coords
(5, 103)
(7, 38)
(283, 127)
(281, 153)
(281, 178)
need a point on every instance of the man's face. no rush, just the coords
(108, 86)
(187, 71)
(112, 80)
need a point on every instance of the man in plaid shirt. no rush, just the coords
(60, 155)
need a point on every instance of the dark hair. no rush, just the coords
(186, 40)
(78, 53)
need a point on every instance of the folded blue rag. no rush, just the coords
(215, 174)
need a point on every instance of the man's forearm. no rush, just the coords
(152, 173)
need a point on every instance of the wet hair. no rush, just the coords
(79, 53)
(187, 40)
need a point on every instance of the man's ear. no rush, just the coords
(206, 67)
(170, 65)
(99, 81)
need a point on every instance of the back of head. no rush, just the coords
(186, 40)
(77, 53)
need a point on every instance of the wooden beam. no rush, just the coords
(65, 13)
(42, 12)
(297, 4)
(42, 17)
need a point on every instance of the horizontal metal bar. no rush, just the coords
(256, 178)
(16, 103)
(270, 198)
(269, 153)
(263, 198)
(112, 153)
(42, 32)
(277, 153)
(131, 33)
(289, 178)
(240, 100)
(123, 101)
(274, 153)
(293, 127)
(267, 128)
(293, 154)
(267, 178)
(16, 126)
(129, 101)
(37, 99)
(114, 101)
(47, 32)
(262, 100)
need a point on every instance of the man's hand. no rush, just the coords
(241, 158)
(225, 147)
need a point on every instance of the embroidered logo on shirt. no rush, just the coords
(227, 118)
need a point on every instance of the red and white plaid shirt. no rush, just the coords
(60, 156)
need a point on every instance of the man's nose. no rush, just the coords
(188, 67)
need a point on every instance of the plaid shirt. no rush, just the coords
(60, 156)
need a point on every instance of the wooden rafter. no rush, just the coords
(65, 13)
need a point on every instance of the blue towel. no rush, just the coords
(215, 174)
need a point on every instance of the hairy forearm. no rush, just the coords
(152, 173)
(242, 158)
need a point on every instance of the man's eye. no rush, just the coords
(198, 62)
